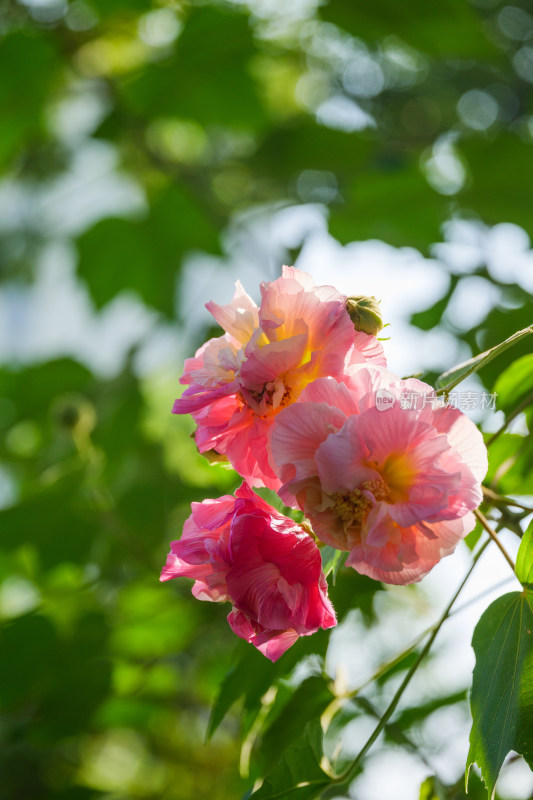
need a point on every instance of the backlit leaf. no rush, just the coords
(502, 692)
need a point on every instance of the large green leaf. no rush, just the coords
(28, 65)
(515, 383)
(450, 28)
(501, 176)
(145, 255)
(502, 689)
(410, 211)
(251, 675)
(307, 703)
(206, 78)
(298, 775)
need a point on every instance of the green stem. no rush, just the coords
(501, 501)
(400, 656)
(348, 774)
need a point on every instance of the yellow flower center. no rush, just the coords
(352, 507)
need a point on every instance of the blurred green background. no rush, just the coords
(150, 153)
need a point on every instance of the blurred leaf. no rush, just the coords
(419, 712)
(410, 211)
(108, 7)
(251, 676)
(145, 255)
(515, 383)
(26, 658)
(299, 145)
(430, 317)
(28, 66)
(298, 775)
(55, 521)
(307, 703)
(80, 660)
(206, 78)
(32, 390)
(502, 690)
(510, 464)
(524, 558)
(432, 789)
(352, 590)
(502, 172)
(453, 29)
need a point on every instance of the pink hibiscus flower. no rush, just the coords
(242, 550)
(240, 381)
(394, 486)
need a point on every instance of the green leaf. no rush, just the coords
(501, 192)
(502, 691)
(417, 713)
(411, 213)
(307, 703)
(515, 383)
(452, 377)
(145, 255)
(206, 78)
(432, 789)
(27, 648)
(298, 775)
(56, 521)
(452, 29)
(524, 558)
(28, 65)
(332, 560)
(251, 676)
(430, 317)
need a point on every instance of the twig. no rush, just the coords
(494, 536)
(501, 500)
(346, 776)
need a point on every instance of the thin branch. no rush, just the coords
(494, 536)
(500, 500)
(346, 776)
(388, 665)
(394, 731)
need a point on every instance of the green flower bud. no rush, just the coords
(75, 413)
(365, 314)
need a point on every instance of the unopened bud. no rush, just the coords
(75, 412)
(365, 314)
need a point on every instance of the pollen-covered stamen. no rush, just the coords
(352, 507)
(270, 399)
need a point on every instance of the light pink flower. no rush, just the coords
(395, 487)
(240, 381)
(242, 550)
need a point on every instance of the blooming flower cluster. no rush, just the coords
(301, 402)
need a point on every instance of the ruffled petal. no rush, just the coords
(239, 317)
